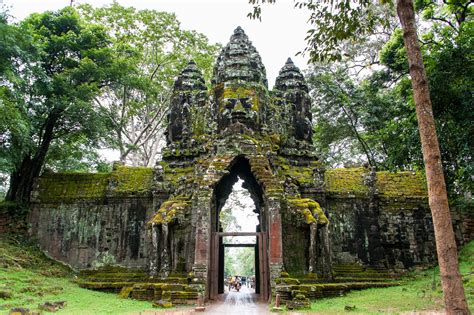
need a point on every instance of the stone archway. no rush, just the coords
(239, 168)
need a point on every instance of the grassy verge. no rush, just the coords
(420, 291)
(28, 278)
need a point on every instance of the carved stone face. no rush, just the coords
(239, 105)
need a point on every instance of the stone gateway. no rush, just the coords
(154, 233)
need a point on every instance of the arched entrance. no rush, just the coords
(240, 168)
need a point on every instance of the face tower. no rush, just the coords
(240, 86)
(239, 129)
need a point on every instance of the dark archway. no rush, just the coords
(240, 168)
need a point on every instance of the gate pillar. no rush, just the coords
(275, 248)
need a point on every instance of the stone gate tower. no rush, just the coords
(241, 129)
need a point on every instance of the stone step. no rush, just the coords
(324, 290)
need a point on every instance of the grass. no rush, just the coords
(420, 291)
(30, 278)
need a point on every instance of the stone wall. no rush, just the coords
(379, 219)
(390, 234)
(376, 218)
(12, 218)
(87, 220)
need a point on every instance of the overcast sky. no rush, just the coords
(280, 34)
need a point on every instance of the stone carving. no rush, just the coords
(164, 221)
(292, 90)
(239, 83)
(189, 94)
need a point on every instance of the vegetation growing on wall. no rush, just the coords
(171, 210)
(309, 209)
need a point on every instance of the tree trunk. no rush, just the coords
(454, 298)
(22, 179)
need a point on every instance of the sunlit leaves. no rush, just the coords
(334, 23)
(153, 49)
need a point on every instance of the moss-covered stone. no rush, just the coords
(125, 292)
(127, 180)
(406, 184)
(235, 129)
(287, 281)
(346, 180)
(70, 187)
(170, 210)
(309, 209)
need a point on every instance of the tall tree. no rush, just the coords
(155, 48)
(454, 298)
(446, 43)
(61, 69)
(337, 21)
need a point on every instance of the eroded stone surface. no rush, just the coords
(158, 223)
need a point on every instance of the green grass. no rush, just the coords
(31, 278)
(420, 291)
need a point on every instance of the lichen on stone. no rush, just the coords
(310, 209)
(126, 180)
(171, 210)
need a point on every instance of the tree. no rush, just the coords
(454, 298)
(61, 66)
(155, 49)
(337, 21)
(447, 46)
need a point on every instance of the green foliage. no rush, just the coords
(239, 261)
(58, 66)
(393, 54)
(361, 121)
(372, 119)
(335, 23)
(447, 47)
(153, 49)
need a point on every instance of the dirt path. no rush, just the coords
(244, 302)
(238, 303)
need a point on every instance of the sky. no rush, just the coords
(242, 208)
(278, 36)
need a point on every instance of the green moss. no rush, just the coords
(173, 174)
(240, 92)
(351, 181)
(303, 175)
(409, 184)
(346, 180)
(287, 281)
(171, 209)
(310, 209)
(132, 180)
(65, 187)
(70, 187)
